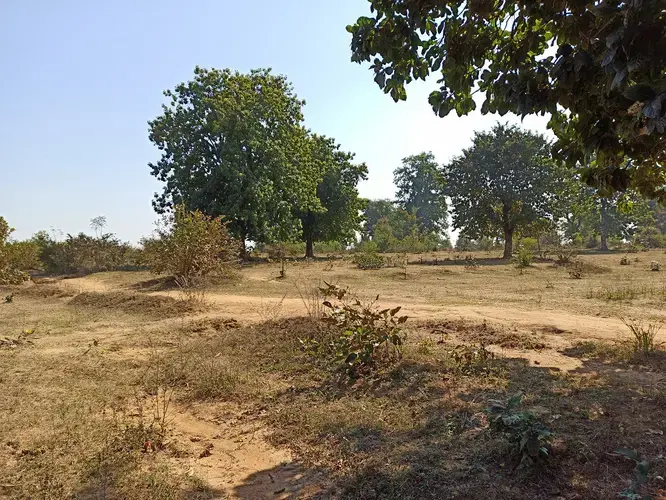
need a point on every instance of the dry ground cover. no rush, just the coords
(117, 385)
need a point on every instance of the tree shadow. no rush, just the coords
(290, 480)
(449, 452)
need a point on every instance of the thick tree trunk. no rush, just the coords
(508, 243)
(309, 248)
(604, 224)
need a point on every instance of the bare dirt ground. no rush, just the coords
(87, 362)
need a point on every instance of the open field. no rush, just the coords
(118, 385)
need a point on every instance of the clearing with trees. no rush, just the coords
(121, 385)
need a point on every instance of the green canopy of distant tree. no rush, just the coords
(504, 183)
(420, 190)
(233, 144)
(597, 68)
(340, 216)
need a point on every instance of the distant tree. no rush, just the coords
(421, 191)
(232, 144)
(602, 86)
(374, 211)
(594, 217)
(340, 215)
(504, 182)
(97, 224)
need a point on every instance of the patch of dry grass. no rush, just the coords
(160, 306)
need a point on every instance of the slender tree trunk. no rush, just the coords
(508, 232)
(309, 247)
(508, 243)
(604, 224)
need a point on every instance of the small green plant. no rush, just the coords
(369, 336)
(632, 491)
(643, 336)
(524, 258)
(625, 261)
(9, 298)
(369, 260)
(529, 437)
(471, 360)
(655, 266)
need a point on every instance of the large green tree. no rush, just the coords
(597, 68)
(232, 144)
(340, 216)
(374, 211)
(504, 182)
(421, 191)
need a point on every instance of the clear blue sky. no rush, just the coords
(80, 80)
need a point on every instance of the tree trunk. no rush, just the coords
(604, 225)
(508, 243)
(243, 249)
(508, 232)
(309, 248)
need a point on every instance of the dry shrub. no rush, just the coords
(192, 246)
(136, 303)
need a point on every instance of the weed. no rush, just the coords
(643, 336)
(271, 311)
(576, 270)
(530, 438)
(369, 260)
(565, 257)
(312, 299)
(470, 360)
(9, 298)
(655, 266)
(370, 336)
(470, 263)
(625, 261)
(632, 491)
(524, 258)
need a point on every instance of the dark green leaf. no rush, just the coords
(639, 93)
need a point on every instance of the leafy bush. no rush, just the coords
(530, 438)
(524, 258)
(369, 260)
(366, 246)
(191, 247)
(83, 254)
(575, 270)
(369, 337)
(10, 264)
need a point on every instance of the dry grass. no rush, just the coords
(134, 303)
(104, 377)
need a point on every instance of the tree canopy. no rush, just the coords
(420, 190)
(597, 68)
(232, 144)
(340, 216)
(504, 182)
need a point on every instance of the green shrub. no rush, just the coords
(643, 337)
(366, 246)
(368, 338)
(10, 260)
(369, 260)
(83, 254)
(529, 438)
(650, 237)
(191, 247)
(524, 258)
